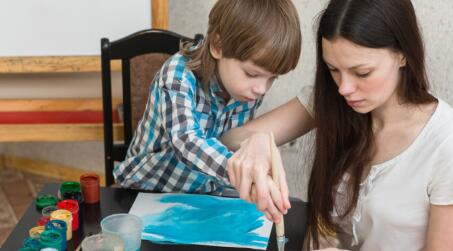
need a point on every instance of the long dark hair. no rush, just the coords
(344, 138)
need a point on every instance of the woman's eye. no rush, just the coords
(362, 75)
(333, 70)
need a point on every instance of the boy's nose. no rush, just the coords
(259, 89)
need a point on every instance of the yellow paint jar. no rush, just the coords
(66, 216)
(35, 232)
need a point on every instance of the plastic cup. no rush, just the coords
(90, 187)
(102, 242)
(127, 226)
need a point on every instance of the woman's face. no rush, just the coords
(367, 78)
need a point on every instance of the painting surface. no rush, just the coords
(201, 220)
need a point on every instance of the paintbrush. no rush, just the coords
(276, 164)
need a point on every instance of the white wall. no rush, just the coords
(189, 17)
(62, 27)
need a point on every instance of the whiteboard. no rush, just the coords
(67, 27)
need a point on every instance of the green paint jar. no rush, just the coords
(43, 201)
(51, 239)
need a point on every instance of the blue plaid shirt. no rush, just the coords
(176, 145)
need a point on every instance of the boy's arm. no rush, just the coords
(191, 144)
(287, 122)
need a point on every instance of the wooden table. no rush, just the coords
(118, 200)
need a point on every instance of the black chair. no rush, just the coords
(141, 55)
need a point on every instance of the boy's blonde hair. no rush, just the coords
(267, 32)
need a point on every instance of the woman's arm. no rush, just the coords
(440, 228)
(250, 165)
(286, 122)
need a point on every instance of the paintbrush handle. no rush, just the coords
(279, 227)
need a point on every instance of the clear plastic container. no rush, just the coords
(103, 242)
(127, 226)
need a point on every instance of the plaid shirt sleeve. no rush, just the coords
(190, 143)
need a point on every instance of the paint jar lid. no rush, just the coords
(43, 201)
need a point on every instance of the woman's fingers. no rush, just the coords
(246, 179)
(262, 189)
(275, 194)
(281, 179)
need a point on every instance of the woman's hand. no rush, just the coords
(249, 170)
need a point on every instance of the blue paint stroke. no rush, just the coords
(199, 219)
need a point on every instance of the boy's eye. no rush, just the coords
(250, 74)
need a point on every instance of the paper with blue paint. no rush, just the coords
(201, 220)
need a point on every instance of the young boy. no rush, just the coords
(207, 89)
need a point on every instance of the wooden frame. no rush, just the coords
(44, 64)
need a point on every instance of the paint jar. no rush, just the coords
(100, 242)
(48, 210)
(90, 187)
(73, 207)
(66, 216)
(70, 190)
(60, 226)
(35, 232)
(32, 243)
(43, 201)
(127, 226)
(46, 214)
(51, 239)
(43, 220)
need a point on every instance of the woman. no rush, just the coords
(382, 176)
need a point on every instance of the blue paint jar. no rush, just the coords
(60, 226)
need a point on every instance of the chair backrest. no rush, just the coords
(141, 55)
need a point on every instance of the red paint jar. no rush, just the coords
(73, 207)
(90, 187)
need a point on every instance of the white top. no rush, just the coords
(392, 211)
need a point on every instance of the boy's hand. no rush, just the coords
(250, 167)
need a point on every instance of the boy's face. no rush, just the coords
(243, 80)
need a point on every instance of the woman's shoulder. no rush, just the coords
(442, 124)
